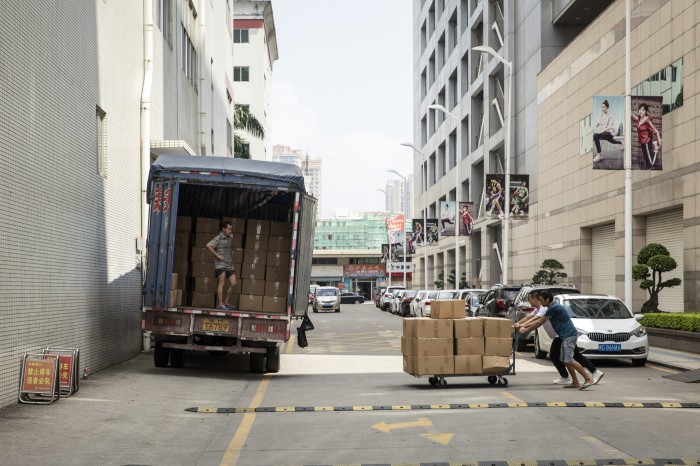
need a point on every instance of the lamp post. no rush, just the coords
(509, 117)
(388, 256)
(424, 182)
(458, 188)
(405, 233)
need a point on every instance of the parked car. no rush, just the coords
(377, 295)
(447, 294)
(417, 299)
(405, 304)
(327, 298)
(395, 303)
(497, 300)
(312, 292)
(384, 300)
(472, 299)
(424, 305)
(350, 297)
(606, 328)
(521, 307)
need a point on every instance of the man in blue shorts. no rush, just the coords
(564, 327)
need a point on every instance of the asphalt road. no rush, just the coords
(344, 399)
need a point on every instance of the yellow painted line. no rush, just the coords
(401, 407)
(323, 408)
(594, 404)
(671, 405)
(512, 397)
(421, 422)
(633, 405)
(290, 344)
(663, 369)
(440, 406)
(556, 404)
(234, 448)
(362, 408)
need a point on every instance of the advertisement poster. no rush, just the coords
(431, 230)
(466, 218)
(418, 235)
(608, 132)
(385, 254)
(397, 245)
(646, 133)
(394, 224)
(448, 218)
(363, 270)
(494, 196)
(519, 196)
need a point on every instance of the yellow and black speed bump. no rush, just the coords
(568, 462)
(534, 404)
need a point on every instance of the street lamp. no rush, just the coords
(424, 183)
(388, 256)
(458, 277)
(509, 117)
(405, 210)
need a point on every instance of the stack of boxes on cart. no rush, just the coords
(448, 343)
(261, 255)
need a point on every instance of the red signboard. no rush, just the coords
(39, 376)
(363, 270)
(65, 363)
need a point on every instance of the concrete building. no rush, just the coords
(254, 51)
(312, 168)
(395, 196)
(85, 108)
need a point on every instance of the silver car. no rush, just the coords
(327, 298)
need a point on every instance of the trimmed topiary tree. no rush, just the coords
(653, 260)
(550, 270)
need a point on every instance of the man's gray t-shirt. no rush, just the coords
(222, 246)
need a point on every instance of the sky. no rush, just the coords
(342, 90)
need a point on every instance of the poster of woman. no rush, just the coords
(646, 132)
(448, 218)
(466, 218)
(608, 132)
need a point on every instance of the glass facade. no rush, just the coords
(366, 231)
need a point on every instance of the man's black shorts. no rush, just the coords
(228, 272)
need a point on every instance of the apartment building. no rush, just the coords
(312, 168)
(85, 109)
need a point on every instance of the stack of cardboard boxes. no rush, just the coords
(261, 256)
(175, 293)
(448, 343)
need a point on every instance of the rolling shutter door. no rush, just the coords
(666, 229)
(603, 259)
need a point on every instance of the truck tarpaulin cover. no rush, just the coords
(245, 171)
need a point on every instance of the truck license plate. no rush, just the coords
(215, 325)
(610, 348)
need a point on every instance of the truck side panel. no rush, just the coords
(305, 219)
(161, 236)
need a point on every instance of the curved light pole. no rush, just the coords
(388, 257)
(458, 188)
(405, 209)
(506, 211)
(424, 183)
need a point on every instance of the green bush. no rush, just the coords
(674, 321)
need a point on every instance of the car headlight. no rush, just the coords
(581, 333)
(639, 331)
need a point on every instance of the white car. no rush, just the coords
(606, 329)
(385, 298)
(423, 308)
(416, 300)
(472, 299)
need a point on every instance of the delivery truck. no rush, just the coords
(273, 221)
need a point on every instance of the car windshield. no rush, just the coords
(410, 294)
(510, 294)
(476, 299)
(323, 292)
(446, 294)
(597, 308)
(432, 294)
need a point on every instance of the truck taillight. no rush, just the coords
(500, 303)
(427, 303)
(262, 328)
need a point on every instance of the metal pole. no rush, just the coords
(425, 227)
(405, 230)
(628, 158)
(506, 213)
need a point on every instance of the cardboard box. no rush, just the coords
(201, 239)
(203, 299)
(498, 346)
(447, 309)
(237, 255)
(238, 224)
(275, 304)
(468, 364)
(277, 274)
(433, 328)
(201, 255)
(278, 259)
(208, 225)
(469, 327)
(202, 269)
(433, 365)
(408, 364)
(255, 256)
(257, 227)
(409, 327)
(181, 267)
(183, 223)
(276, 288)
(494, 364)
(173, 298)
(180, 252)
(207, 284)
(432, 346)
(469, 346)
(250, 303)
(182, 238)
(407, 346)
(279, 243)
(497, 327)
(175, 280)
(253, 271)
(281, 229)
(258, 242)
(253, 287)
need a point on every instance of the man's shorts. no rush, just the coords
(568, 346)
(228, 272)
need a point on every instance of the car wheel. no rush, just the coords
(315, 310)
(357, 301)
(338, 310)
(539, 354)
(639, 362)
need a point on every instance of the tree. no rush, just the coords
(550, 270)
(440, 283)
(244, 120)
(653, 260)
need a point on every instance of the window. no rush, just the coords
(240, 36)
(188, 58)
(101, 142)
(241, 73)
(229, 137)
(162, 16)
(324, 261)
(667, 83)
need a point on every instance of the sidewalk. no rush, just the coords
(679, 360)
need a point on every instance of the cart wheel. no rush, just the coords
(442, 383)
(492, 379)
(432, 380)
(502, 382)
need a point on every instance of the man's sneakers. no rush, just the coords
(597, 375)
(598, 158)
(563, 381)
(222, 308)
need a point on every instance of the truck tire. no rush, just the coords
(177, 358)
(160, 355)
(273, 359)
(257, 363)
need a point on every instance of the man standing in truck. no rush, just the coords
(220, 247)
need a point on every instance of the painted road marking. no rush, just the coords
(386, 428)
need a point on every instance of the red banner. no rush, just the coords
(394, 224)
(363, 270)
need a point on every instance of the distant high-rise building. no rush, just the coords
(310, 167)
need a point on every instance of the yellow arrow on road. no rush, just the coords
(439, 438)
(384, 427)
